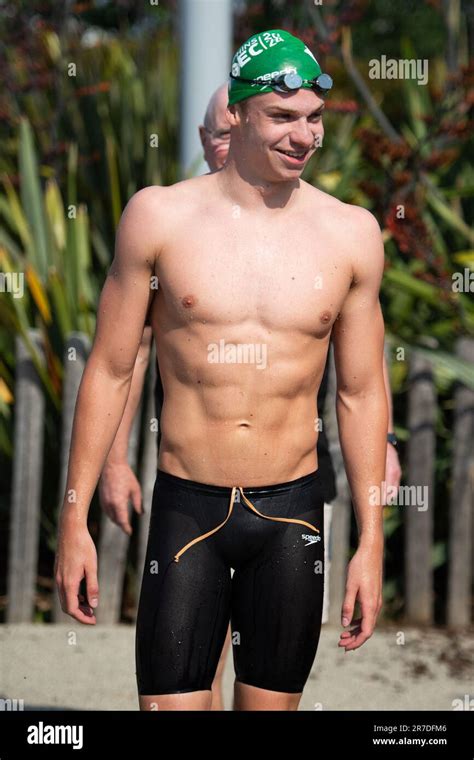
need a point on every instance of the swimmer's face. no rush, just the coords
(273, 123)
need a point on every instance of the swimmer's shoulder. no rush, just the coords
(353, 230)
(179, 196)
(157, 195)
(144, 223)
(153, 213)
(156, 208)
(149, 203)
(340, 215)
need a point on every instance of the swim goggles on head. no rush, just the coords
(291, 81)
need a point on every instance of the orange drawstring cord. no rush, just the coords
(231, 505)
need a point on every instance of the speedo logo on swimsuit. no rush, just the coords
(310, 539)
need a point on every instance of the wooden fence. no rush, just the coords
(114, 543)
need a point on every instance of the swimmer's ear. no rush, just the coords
(234, 114)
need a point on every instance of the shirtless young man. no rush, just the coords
(256, 270)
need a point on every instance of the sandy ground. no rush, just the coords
(63, 667)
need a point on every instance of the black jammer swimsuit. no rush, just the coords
(273, 537)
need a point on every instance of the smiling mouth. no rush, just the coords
(296, 155)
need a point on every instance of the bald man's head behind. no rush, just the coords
(217, 106)
(215, 132)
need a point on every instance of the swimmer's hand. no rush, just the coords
(76, 559)
(363, 584)
(117, 486)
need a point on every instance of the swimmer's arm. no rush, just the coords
(361, 400)
(118, 453)
(362, 414)
(388, 391)
(118, 485)
(106, 380)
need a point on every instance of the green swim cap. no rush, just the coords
(274, 61)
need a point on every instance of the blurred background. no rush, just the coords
(86, 87)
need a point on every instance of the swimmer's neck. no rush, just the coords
(244, 188)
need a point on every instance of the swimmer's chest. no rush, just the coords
(279, 280)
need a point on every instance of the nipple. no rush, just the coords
(188, 301)
(325, 317)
